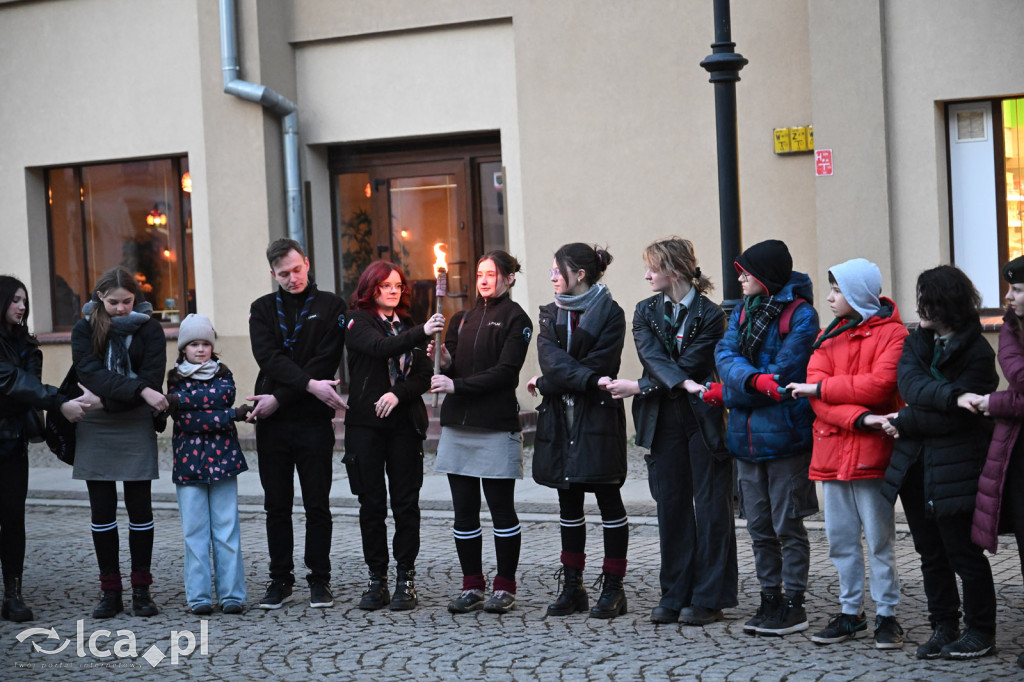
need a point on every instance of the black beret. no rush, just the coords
(1013, 272)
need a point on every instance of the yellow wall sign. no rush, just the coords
(794, 140)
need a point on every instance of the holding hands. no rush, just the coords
(978, 404)
(768, 384)
(619, 388)
(324, 391)
(712, 394)
(266, 405)
(887, 425)
(802, 390)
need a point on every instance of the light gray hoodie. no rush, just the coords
(860, 280)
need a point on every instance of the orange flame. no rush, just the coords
(440, 263)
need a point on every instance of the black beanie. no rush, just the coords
(769, 263)
(1013, 272)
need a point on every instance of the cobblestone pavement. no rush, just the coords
(299, 643)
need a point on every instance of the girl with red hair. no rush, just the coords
(385, 425)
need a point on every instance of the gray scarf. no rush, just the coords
(203, 372)
(119, 338)
(581, 302)
(594, 306)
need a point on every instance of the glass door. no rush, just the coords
(398, 213)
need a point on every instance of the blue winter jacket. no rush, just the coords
(760, 428)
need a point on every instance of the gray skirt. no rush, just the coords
(119, 446)
(480, 453)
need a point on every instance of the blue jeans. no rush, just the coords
(209, 514)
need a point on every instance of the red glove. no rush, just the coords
(713, 396)
(766, 384)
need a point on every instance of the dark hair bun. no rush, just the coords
(604, 258)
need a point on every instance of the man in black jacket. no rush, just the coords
(297, 335)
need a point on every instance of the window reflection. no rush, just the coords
(131, 214)
(1013, 131)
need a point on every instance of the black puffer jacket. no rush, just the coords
(369, 347)
(949, 441)
(704, 326)
(593, 448)
(21, 366)
(488, 348)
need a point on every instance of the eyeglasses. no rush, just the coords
(744, 277)
(387, 286)
(555, 272)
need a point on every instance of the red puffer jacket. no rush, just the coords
(1008, 409)
(857, 373)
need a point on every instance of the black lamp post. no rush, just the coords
(724, 65)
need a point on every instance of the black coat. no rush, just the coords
(488, 347)
(949, 441)
(21, 366)
(317, 355)
(369, 347)
(663, 371)
(593, 448)
(147, 354)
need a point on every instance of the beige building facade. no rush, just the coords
(528, 123)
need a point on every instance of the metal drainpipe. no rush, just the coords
(281, 106)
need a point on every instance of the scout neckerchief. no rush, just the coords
(290, 339)
(398, 365)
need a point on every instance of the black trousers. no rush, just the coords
(13, 492)
(369, 455)
(282, 449)
(946, 551)
(693, 491)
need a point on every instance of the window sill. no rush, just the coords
(55, 338)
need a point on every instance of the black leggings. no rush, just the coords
(500, 494)
(138, 502)
(13, 491)
(613, 518)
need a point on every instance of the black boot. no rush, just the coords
(612, 601)
(573, 597)
(405, 591)
(142, 603)
(377, 594)
(14, 608)
(110, 605)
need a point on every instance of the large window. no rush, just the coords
(136, 214)
(986, 181)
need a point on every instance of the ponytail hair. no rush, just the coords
(115, 278)
(593, 260)
(675, 256)
(503, 261)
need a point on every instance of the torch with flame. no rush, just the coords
(440, 291)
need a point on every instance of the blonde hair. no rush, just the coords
(675, 256)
